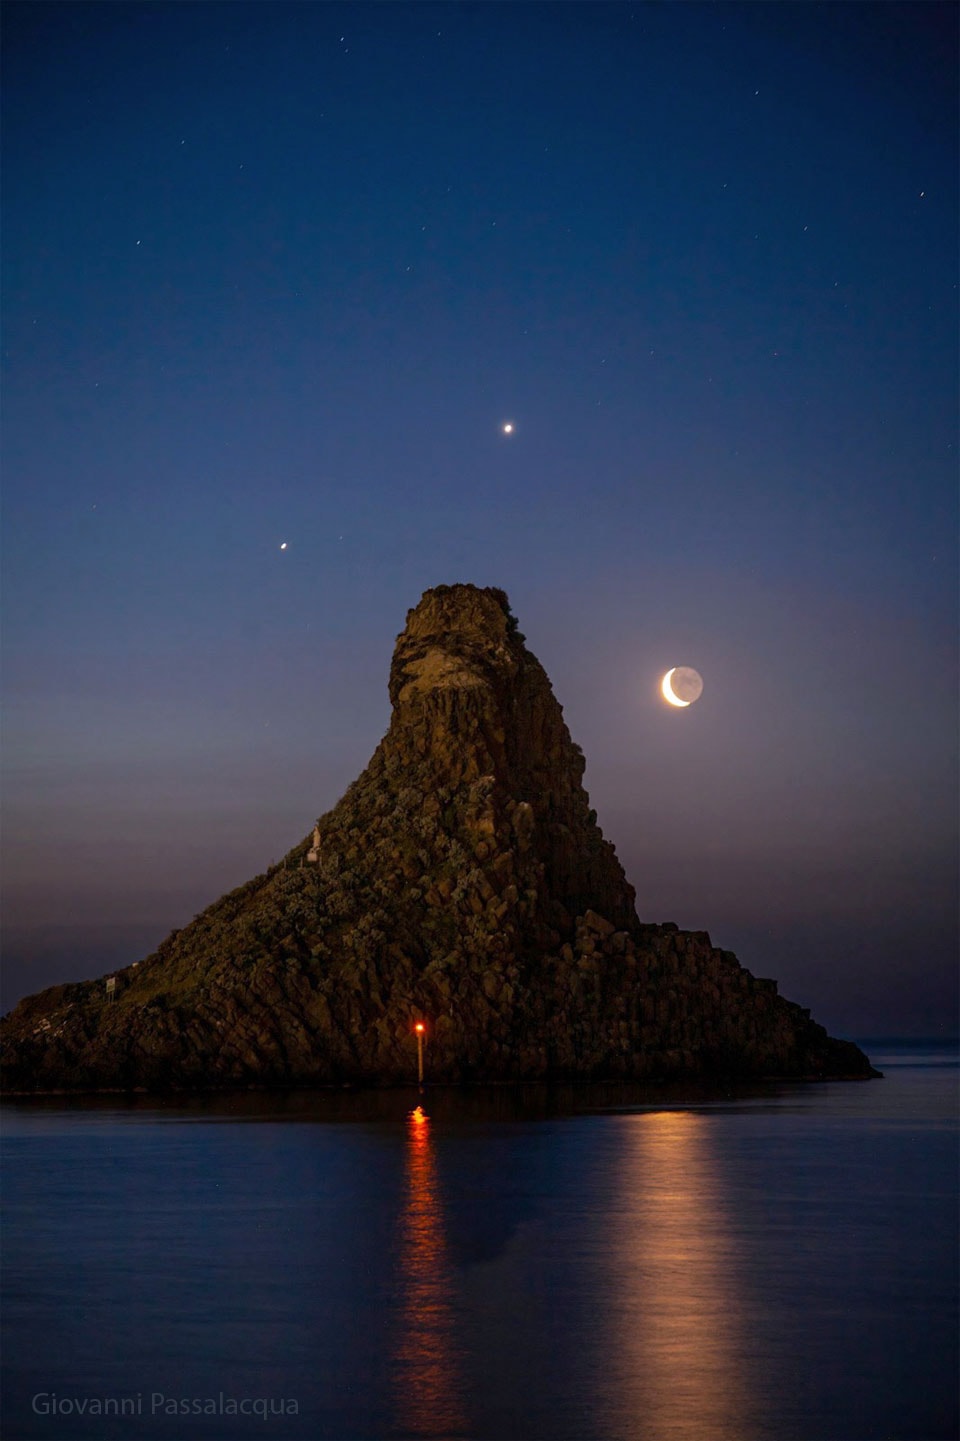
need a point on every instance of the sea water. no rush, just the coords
(656, 1264)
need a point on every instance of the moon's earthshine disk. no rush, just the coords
(682, 685)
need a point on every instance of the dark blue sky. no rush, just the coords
(280, 272)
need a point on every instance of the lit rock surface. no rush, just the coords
(462, 879)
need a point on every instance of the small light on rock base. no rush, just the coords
(419, 1028)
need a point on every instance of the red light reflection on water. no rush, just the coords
(428, 1384)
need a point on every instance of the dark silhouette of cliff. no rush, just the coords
(462, 879)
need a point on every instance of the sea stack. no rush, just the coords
(461, 881)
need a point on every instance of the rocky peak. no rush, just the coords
(473, 707)
(459, 636)
(462, 878)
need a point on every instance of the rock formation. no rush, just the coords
(462, 880)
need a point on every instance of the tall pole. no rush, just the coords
(419, 1030)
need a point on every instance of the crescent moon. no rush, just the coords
(667, 691)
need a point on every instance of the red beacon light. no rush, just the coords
(419, 1029)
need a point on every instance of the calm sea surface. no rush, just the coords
(655, 1265)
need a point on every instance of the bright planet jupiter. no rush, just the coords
(682, 685)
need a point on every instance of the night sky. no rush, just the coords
(281, 273)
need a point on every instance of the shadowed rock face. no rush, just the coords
(473, 711)
(462, 879)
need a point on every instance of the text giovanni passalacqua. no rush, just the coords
(48, 1403)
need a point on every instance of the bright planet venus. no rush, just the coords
(682, 685)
